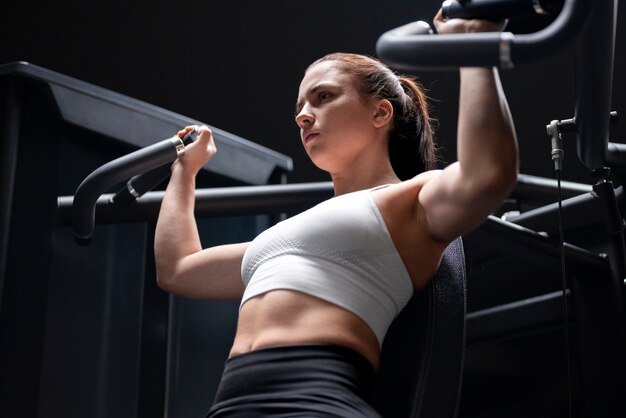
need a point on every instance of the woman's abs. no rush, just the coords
(286, 317)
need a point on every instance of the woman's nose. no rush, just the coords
(304, 118)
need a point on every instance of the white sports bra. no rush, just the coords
(339, 251)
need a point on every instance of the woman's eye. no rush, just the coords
(324, 95)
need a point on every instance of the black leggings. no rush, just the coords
(295, 381)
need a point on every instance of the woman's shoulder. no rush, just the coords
(414, 184)
(424, 177)
(400, 199)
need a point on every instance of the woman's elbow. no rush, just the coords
(162, 283)
(165, 279)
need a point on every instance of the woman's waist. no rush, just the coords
(296, 372)
(287, 317)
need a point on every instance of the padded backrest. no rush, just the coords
(422, 356)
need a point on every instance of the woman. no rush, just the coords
(320, 289)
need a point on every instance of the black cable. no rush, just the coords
(564, 286)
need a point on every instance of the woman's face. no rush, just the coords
(335, 120)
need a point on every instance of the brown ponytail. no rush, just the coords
(412, 148)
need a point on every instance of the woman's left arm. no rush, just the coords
(459, 198)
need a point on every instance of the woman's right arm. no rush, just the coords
(182, 266)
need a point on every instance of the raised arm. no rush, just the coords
(183, 267)
(459, 198)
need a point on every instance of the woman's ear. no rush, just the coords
(384, 113)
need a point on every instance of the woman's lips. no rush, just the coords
(309, 136)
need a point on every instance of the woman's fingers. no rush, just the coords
(466, 25)
(184, 131)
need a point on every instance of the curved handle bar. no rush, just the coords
(407, 48)
(113, 172)
(142, 183)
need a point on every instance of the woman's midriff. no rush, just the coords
(285, 317)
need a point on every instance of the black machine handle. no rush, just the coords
(144, 160)
(591, 24)
(410, 48)
(142, 183)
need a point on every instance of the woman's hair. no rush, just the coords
(412, 148)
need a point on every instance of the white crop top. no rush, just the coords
(339, 251)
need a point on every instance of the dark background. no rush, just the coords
(237, 65)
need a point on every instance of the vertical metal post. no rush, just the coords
(614, 231)
(598, 306)
(11, 117)
(594, 81)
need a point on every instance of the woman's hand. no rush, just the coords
(466, 26)
(199, 152)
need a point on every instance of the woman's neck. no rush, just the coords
(351, 183)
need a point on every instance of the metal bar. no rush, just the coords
(273, 199)
(534, 188)
(537, 249)
(523, 317)
(578, 212)
(222, 201)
